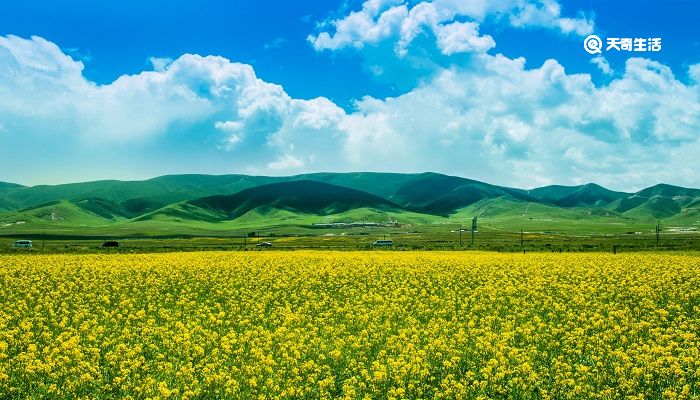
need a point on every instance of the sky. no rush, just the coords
(501, 91)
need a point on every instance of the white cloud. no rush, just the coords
(276, 43)
(534, 125)
(602, 64)
(365, 26)
(394, 20)
(160, 63)
(319, 113)
(285, 163)
(547, 14)
(40, 86)
(234, 131)
(495, 120)
(462, 37)
(694, 72)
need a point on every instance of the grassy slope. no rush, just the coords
(272, 220)
(55, 215)
(159, 206)
(138, 196)
(5, 206)
(506, 214)
(301, 197)
(588, 195)
(659, 202)
(428, 193)
(5, 189)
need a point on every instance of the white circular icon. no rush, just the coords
(592, 44)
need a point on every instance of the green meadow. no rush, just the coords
(345, 211)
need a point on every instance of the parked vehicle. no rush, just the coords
(264, 244)
(383, 243)
(22, 244)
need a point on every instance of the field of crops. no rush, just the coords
(351, 325)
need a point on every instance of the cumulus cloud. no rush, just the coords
(547, 14)
(285, 163)
(369, 25)
(493, 120)
(40, 84)
(535, 126)
(160, 63)
(444, 20)
(602, 64)
(694, 72)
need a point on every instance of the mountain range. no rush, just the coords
(199, 204)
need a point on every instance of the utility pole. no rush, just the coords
(658, 231)
(245, 241)
(521, 238)
(460, 234)
(473, 229)
(521, 241)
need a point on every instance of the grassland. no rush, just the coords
(542, 231)
(350, 325)
(418, 211)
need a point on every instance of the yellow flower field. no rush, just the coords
(351, 325)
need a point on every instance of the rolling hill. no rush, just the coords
(56, 214)
(5, 188)
(588, 195)
(665, 190)
(304, 196)
(201, 203)
(659, 201)
(138, 196)
(428, 193)
(8, 185)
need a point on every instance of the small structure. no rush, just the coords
(383, 243)
(264, 244)
(22, 244)
(110, 243)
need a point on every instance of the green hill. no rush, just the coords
(55, 214)
(197, 204)
(588, 195)
(380, 184)
(305, 197)
(8, 185)
(659, 201)
(427, 193)
(104, 208)
(666, 190)
(5, 189)
(655, 207)
(32, 196)
(5, 205)
(689, 215)
(139, 196)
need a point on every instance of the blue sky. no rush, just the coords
(497, 90)
(116, 38)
